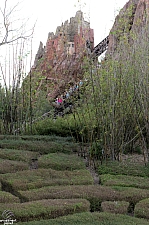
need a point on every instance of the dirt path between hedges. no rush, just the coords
(94, 175)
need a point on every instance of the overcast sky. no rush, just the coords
(51, 13)
(48, 14)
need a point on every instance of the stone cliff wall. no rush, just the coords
(59, 62)
(132, 23)
(69, 38)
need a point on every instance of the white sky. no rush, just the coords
(51, 13)
(48, 14)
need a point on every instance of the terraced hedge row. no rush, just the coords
(125, 181)
(56, 161)
(6, 197)
(116, 207)
(61, 161)
(45, 138)
(11, 166)
(45, 209)
(124, 168)
(95, 194)
(39, 146)
(88, 218)
(142, 209)
(61, 185)
(31, 179)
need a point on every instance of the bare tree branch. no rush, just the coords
(7, 29)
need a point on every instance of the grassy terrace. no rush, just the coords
(62, 190)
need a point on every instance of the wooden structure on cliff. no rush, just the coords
(100, 48)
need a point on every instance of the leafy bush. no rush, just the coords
(71, 125)
(96, 149)
(59, 127)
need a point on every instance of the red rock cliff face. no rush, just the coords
(59, 62)
(132, 22)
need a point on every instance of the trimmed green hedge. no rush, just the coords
(61, 161)
(6, 197)
(57, 161)
(45, 209)
(88, 218)
(124, 168)
(124, 181)
(131, 195)
(10, 166)
(44, 138)
(39, 146)
(117, 207)
(17, 155)
(30, 179)
(142, 209)
(93, 193)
